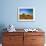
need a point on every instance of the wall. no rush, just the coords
(8, 13)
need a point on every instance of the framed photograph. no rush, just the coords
(26, 14)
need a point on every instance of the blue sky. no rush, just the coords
(27, 11)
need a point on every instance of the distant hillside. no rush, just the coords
(26, 16)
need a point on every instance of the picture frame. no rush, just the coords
(26, 14)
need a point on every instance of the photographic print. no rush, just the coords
(26, 14)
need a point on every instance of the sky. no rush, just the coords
(27, 11)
